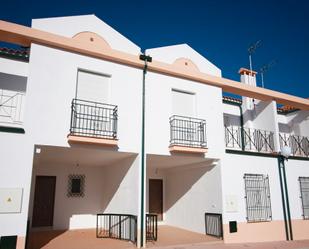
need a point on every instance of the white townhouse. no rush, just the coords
(97, 136)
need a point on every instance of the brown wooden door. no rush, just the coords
(156, 197)
(44, 198)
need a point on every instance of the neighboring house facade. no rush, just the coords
(75, 121)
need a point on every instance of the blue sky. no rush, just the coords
(220, 30)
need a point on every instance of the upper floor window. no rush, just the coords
(92, 86)
(304, 194)
(12, 98)
(183, 103)
(257, 197)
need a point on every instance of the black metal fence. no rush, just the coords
(304, 191)
(249, 139)
(257, 197)
(117, 226)
(213, 224)
(299, 145)
(186, 131)
(151, 227)
(93, 119)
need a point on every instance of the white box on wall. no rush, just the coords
(11, 200)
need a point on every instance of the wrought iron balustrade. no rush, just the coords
(93, 119)
(258, 140)
(151, 227)
(299, 144)
(117, 226)
(249, 139)
(213, 224)
(233, 137)
(186, 131)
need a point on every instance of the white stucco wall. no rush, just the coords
(294, 170)
(159, 110)
(190, 193)
(169, 54)
(233, 169)
(71, 25)
(15, 67)
(51, 86)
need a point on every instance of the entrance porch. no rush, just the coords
(70, 186)
(180, 190)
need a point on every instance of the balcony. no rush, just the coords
(94, 123)
(299, 144)
(249, 139)
(187, 135)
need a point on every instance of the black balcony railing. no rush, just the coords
(233, 137)
(299, 145)
(259, 140)
(213, 224)
(151, 227)
(117, 226)
(190, 132)
(249, 139)
(93, 119)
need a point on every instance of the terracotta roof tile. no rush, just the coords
(16, 53)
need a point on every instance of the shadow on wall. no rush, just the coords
(180, 183)
(101, 185)
(251, 115)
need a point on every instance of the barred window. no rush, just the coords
(304, 194)
(257, 198)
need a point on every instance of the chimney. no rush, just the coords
(247, 77)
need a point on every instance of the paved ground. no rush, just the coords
(270, 245)
(169, 238)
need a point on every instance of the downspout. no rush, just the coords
(146, 59)
(287, 200)
(242, 133)
(280, 162)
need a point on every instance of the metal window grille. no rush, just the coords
(93, 119)
(151, 227)
(186, 131)
(304, 194)
(298, 144)
(257, 197)
(117, 226)
(213, 224)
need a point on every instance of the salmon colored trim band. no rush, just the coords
(22, 35)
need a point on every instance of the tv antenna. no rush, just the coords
(264, 69)
(251, 51)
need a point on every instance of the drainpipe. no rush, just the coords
(280, 162)
(146, 59)
(242, 133)
(285, 201)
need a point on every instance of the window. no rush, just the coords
(257, 198)
(183, 103)
(304, 194)
(76, 185)
(92, 87)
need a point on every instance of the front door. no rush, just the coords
(44, 198)
(156, 197)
